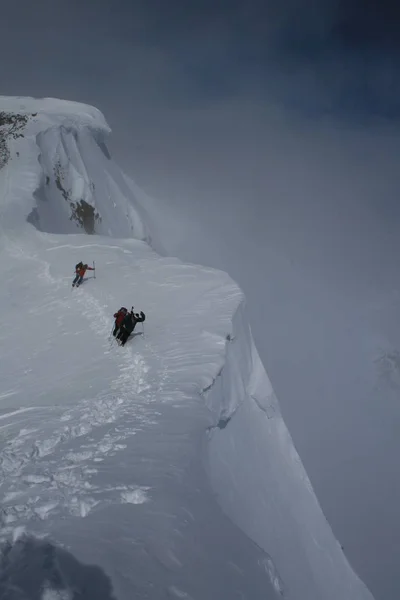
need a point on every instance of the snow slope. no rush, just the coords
(102, 448)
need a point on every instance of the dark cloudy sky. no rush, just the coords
(269, 131)
(314, 55)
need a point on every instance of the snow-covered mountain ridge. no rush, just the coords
(61, 427)
(68, 193)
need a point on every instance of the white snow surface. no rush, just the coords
(104, 450)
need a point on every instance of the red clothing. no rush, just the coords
(82, 270)
(119, 317)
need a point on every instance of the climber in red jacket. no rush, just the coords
(80, 270)
(119, 317)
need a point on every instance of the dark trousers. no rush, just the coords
(123, 335)
(77, 280)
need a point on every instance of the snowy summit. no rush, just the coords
(158, 469)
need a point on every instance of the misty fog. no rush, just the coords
(304, 217)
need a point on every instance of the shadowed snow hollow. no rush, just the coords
(101, 445)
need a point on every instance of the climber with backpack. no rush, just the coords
(128, 325)
(119, 317)
(80, 270)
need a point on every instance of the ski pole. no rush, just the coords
(143, 328)
(94, 270)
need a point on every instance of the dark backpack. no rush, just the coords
(78, 266)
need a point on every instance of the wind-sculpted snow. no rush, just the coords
(56, 111)
(101, 446)
(60, 177)
(262, 484)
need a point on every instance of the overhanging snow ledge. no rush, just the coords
(241, 377)
(261, 482)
